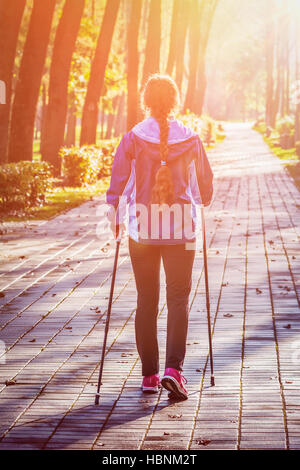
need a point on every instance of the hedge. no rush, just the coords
(87, 164)
(23, 184)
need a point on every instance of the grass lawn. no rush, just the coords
(289, 157)
(59, 200)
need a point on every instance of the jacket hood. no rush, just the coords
(149, 131)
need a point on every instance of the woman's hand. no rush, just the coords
(117, 229)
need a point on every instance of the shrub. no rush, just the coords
(261, 127)
(23, 184)
(205, 126)
(285, 125)
(87, 164)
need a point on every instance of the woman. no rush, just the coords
(161, 170)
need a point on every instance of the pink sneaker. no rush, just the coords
(174, 382)
(151, 383)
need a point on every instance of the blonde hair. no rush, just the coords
(161, 97)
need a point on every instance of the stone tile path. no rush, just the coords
(55, 278)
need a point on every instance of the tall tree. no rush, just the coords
(184, 9)
(207, 15)
(133, 62)
(194, 47)
(297, 76)
(90, 108)
(173, 37)
(10, 19)
(56, 114)
(152, 52)
(29, 80)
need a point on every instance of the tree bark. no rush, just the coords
(297, 76)
(173, 37)
(152, 52)
(184, 9)
(63, 49)
(195, 28)
(269, 44)
(90, 108)
(43, 118)
(29, 80)
(119, 116)
(71, 127)
(10, 20)
(206, 17)
(133, 63)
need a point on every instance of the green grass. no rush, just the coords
(289, 157)
(62, 199)
(59, 200)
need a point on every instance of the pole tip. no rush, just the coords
(97, 400)
(212, 381)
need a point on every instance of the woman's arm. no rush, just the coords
(203, 182)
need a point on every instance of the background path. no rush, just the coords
(55, 281)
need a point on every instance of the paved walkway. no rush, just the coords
(56, 280)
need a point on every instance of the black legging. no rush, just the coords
(178, 264)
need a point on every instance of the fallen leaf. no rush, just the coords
(166, 433)
(258, 291)
(227, 315)
(2, 294)
(10, 382)
(32, 340)
(175, 416)
(288, 326)
(203, 442)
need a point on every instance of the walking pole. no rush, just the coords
(212, 378)
(107, 319)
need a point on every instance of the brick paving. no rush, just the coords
(55, 278)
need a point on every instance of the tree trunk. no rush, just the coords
(199, 96)
(269, 42)
(173, 38)
(43, 118)
(119, 116)
(29, 80)
(133, 63)
(90, 108)
(71, 127)
(184, 9)
(275, 102)
(111, 118)
(194, 43)
(64, 44)
(206, 17)
(297, 73)
(152, 52)
(10, 19)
